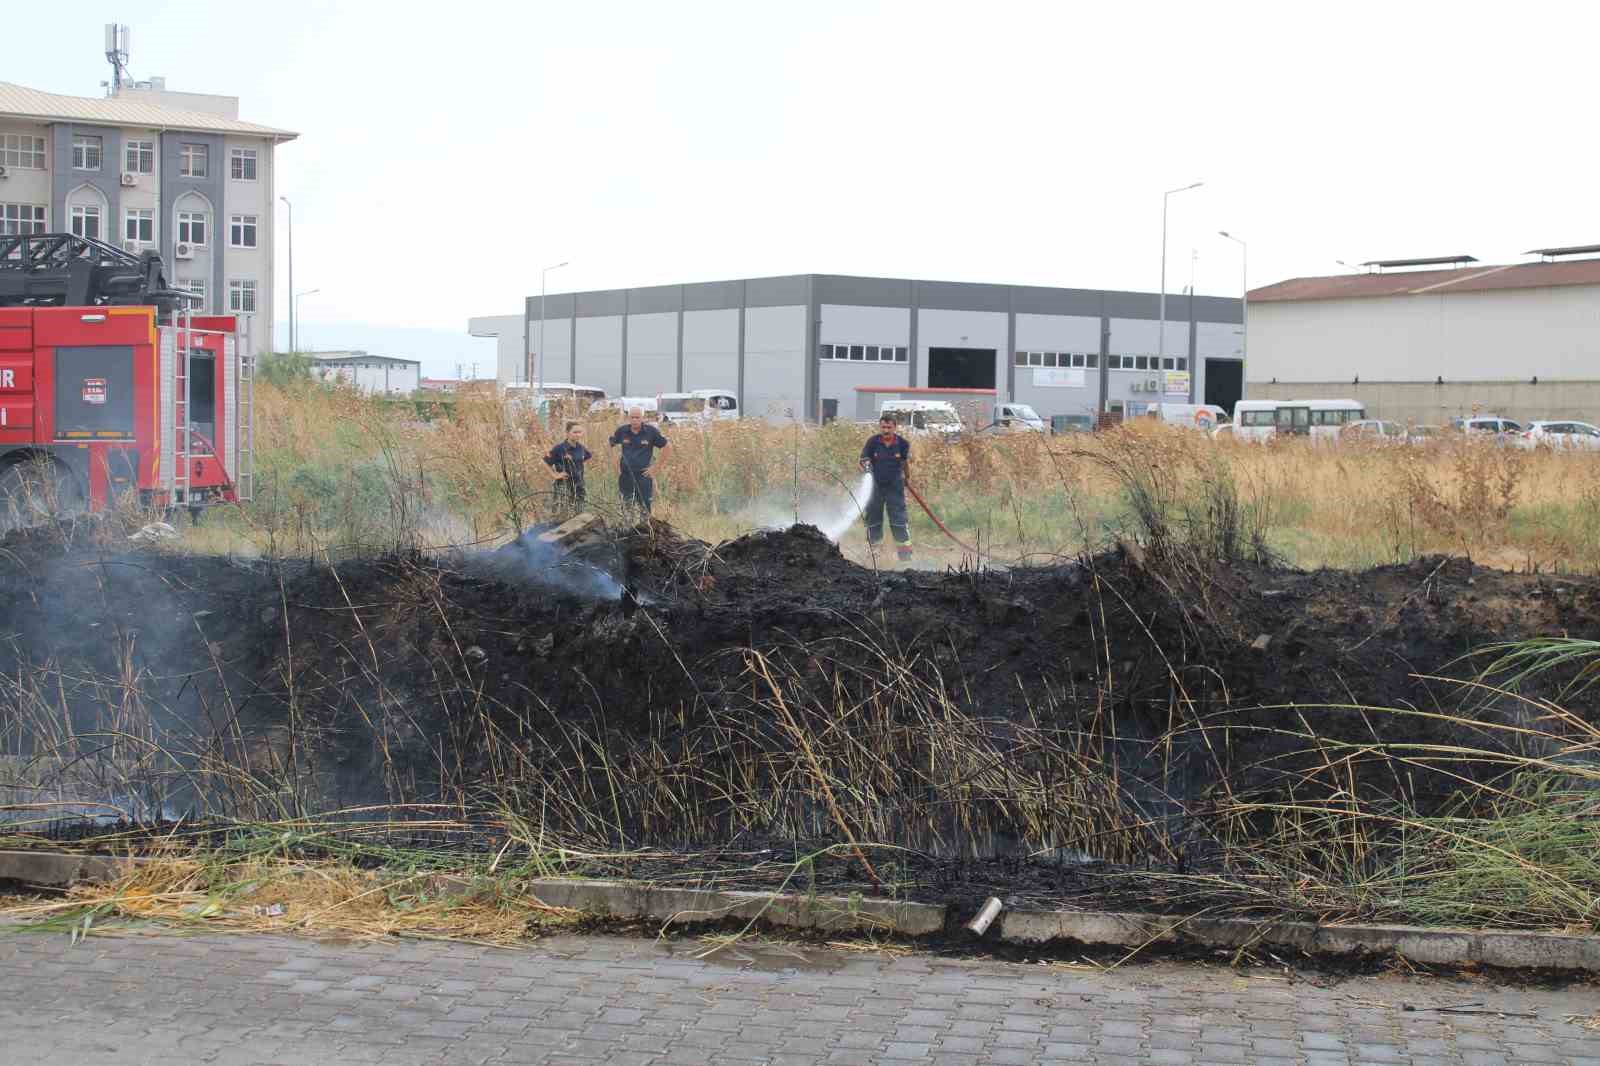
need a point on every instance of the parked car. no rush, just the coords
(1072, 423)
(720, 403)
(1494, 424)
(1580, 435)
(1376, 430)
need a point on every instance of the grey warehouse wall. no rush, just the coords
(774, 363)
(663, 338)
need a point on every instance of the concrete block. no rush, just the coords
(575, 530)
(57, 868)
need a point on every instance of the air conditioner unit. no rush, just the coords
(129, 179)
(132, 246)
(1152, 385)
(3, 172)
(183, 251)
(1136, 386)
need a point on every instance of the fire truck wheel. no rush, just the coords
(36, 490)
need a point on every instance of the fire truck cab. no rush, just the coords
(111, 391)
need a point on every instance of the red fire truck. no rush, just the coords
(111, 387)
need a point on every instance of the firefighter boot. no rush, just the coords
(903, 551)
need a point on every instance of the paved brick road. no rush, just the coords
(571, 1000)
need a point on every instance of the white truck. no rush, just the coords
(924, 416)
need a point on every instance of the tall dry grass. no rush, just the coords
(337, 471)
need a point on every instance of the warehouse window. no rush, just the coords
(861, 353)
(1093, 360)
(1183, 363)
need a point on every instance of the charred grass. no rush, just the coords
(1141, 709)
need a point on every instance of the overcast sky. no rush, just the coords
(447, 151)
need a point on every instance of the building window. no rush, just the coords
(22, 219)
(194, 160)
(862, 353)
(242, 295)
(21, 151)
(242, 231)
(192, 228)
(242, 162)
(139, 224)
(85, 152)
(139, 157)
(198, 287)
(86, 221)
(1092, 360)
(1183, 363)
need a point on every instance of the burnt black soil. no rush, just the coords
(382, 674)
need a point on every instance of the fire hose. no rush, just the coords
(915, 495)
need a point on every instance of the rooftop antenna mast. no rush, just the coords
(117, 55)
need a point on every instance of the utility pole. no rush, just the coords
(538, 399)
(1161, 342)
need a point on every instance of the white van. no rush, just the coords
(1321, 420)
(720, 403)
(1202, 416)
(924, 416)
(1018, 418)
(681, 407)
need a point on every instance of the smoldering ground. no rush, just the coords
(1101, 708)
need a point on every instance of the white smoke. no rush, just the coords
(833, 512)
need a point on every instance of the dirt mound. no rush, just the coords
(627, 671)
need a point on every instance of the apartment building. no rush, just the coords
(150, 169)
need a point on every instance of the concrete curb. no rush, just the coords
(630, 899)
(1437, 946)
(838, 914)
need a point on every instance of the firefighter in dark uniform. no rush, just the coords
(566, 459)
(639, 443)
(888, 456)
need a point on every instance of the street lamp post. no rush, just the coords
(1244, 292)
(295, 311)
(542, 275)
(1161, 342)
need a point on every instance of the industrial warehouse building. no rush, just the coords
(1420, 344)
(814, 346)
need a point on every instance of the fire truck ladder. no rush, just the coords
(65, 270)
(181, 428)
(244, 478)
